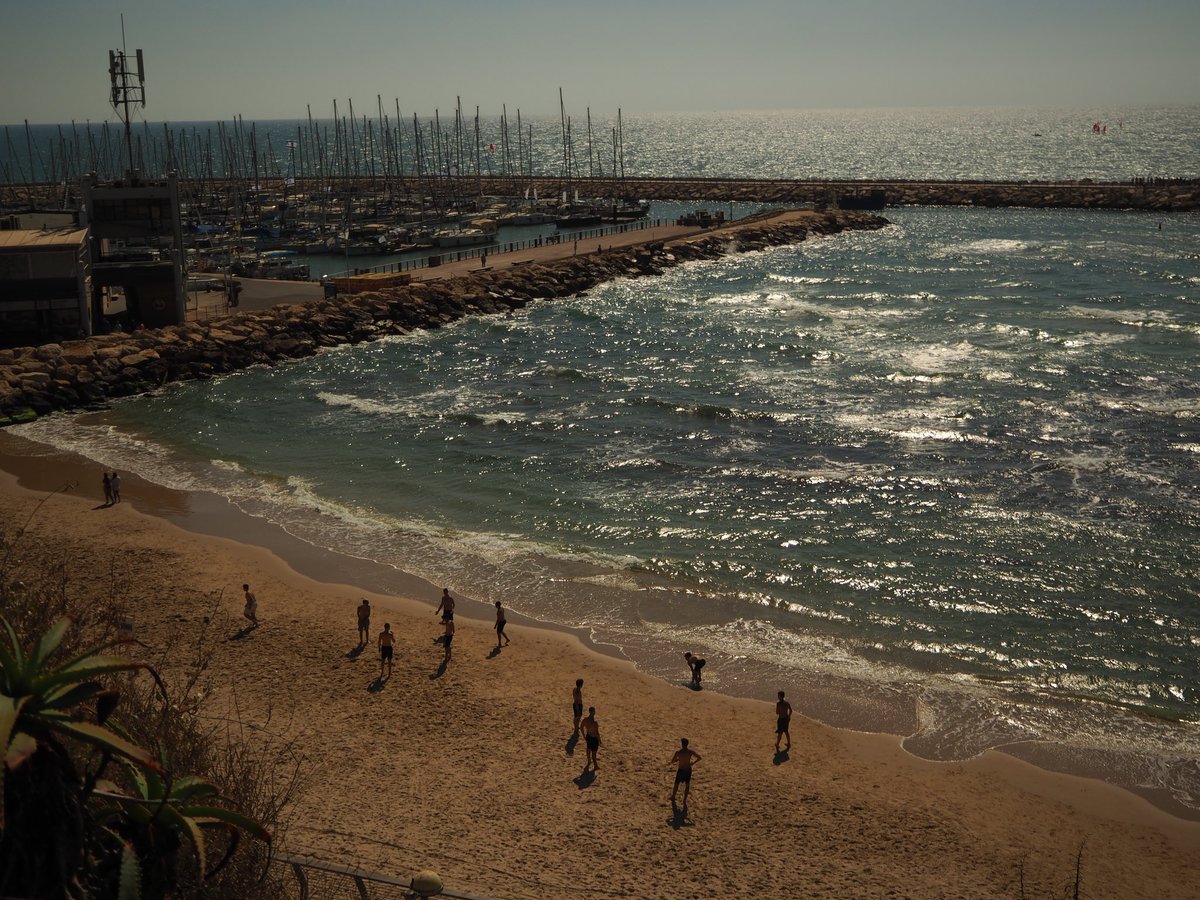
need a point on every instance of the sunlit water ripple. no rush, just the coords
(953, 462)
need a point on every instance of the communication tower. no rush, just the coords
(127, 76)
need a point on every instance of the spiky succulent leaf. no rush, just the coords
(99, 737)
(10, 712)
(10, 668)
(20, 748)
(211, 815)
(47, 645)
(68, 696)
(190, 788)
(82, 670)
(130, 885)
(13, 651)
(185, 827)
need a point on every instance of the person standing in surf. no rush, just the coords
(783, 722)
(500, 623)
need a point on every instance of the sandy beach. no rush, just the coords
(471, 770)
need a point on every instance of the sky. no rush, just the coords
(272, 59)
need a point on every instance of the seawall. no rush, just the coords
(1156, 194)
(89, 372)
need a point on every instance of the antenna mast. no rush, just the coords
(128, 80)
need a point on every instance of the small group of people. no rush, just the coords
(112, 488)
(683, 759)
(386, 640)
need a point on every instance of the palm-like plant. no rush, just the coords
(161, 814)
(43, 816)
(60, 828)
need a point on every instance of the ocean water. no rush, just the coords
(972, 143)
(939, 479)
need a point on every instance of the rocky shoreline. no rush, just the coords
(35, 381)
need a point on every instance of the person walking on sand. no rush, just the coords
(387, 643)
(364, 622)
(577, 702)
(116, 487)
(783, 722)
(446, 607)
(591, 737)
(683, 760)
(108, 497)
(695, 663)
(500, 623)
(449, 639)
(251, 609)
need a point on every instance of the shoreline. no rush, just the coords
(209, 515)
(864, 764)
(889, 706)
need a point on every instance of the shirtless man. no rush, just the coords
(591, 737)
(251, 609)
(449, 639)
(695, 663)
(683, 759)
(500, 623)
(364, 622)
(783, 721)
(446, 607)
(387, 643)
(577, 702)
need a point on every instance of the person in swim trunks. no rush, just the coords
(500, 623)
(364, 622)
(446, 607)
(387, 641)
(449, 639)
(251, 609)
(577, 702)
(683, 759)
(783, 722)
(591, 737)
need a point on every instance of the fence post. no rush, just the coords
(301, 879)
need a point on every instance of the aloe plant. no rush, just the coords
(72, 826)
(38, 699)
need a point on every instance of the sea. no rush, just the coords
(937, 480)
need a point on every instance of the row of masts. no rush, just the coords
(385, 153)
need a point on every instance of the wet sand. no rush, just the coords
(471, 770)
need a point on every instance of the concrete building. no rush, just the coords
(137, 252)
(45, 286)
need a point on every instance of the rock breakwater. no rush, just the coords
(89, 372)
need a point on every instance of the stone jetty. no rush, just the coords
(1156, 194)
(89, 372)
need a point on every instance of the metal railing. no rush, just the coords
(500, 247)
(306, 878)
